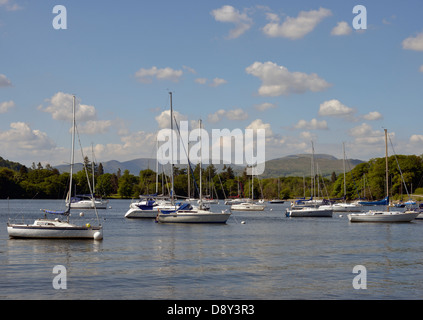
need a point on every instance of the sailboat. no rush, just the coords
(344, 206)
(384, 216)
(312, 208)
(149, 205)
(186, 213)
(278, 200)
(86, 201)
(249, 204)
(57, 228)
(89, 201)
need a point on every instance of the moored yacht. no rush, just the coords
(384, 216)
(248, 206)
(56, 228)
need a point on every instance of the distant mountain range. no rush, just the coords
(293, 165)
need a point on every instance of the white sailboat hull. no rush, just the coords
(193, 216)
(138, 213)
(53, 229)
(343, 207)
(346, 207)
(135, 212)
(383, 216)
(309, 212)
(247, 207)
(88, 204)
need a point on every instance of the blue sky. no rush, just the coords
(295, 68)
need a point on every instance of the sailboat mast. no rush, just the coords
(252, 184)
(157, 167)
(201, 162)
(171, 149)
(345, 183)
(386, 168)
(68, 200)
(93, 169)
(313, 174)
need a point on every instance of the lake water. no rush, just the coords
(269, 257)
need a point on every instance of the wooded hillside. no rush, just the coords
(366, 179)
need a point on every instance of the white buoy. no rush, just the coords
(242, 222)
(81, 214)
(98, 235)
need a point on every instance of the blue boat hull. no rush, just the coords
(383, 202)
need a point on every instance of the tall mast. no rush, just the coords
(386, 164)
(68, 200)
(157, 167)
(93, 168)
(171, 149)
(313, 174)
(345, 183)
(252, 184)
(189, 182)
(201, 162)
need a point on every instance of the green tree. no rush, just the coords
(147, 184)
(8, 186)
(104, 185)
(127, 183)
(81, 183)
(100, 169)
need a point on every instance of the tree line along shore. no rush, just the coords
(366, 180)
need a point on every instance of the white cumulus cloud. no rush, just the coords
(163, 119)
(335, 108)
(414, 43)
(416, 138)
(365, 135)
(278, 80)
(341, 29)
(6, 106)
(234, 114)
(216, 82)
(313, 124)
(229, 14)
(4, 82)
(21, 138)
(295, 28)
(60, 108)
(373, 115)
(259, 124)
(147, 75)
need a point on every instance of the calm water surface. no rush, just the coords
(268, 257)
